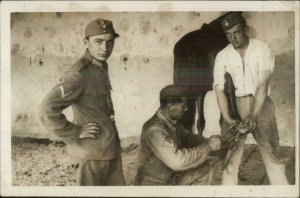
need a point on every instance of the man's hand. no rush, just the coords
(249, 123)
(231, 122)
(214, 142)
(90, 130)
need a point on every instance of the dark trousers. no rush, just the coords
(201, 175)
(100, 172)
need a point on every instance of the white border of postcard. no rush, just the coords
(142, 6)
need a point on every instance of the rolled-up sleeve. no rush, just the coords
(167, 151)
(219, 71)
(266, 60)
(59, 98)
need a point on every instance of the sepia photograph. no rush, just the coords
(148, 98)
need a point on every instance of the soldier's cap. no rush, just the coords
(172, 92)
(231, 19)
(100, 26)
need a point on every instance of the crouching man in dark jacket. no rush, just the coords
(169, 154)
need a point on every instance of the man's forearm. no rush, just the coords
(260, 98)
(167, 151)
(262, 91)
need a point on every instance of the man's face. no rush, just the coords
(237, 36)
(100, 46)
(177, 110)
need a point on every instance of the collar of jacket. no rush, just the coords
(169, 123)
(87, 56)
(86, 59)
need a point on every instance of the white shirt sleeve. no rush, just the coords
(219, 72)
(266, 59)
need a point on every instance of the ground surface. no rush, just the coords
(46, 163)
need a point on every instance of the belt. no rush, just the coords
(248, 95)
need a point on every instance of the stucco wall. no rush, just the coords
(44, 44)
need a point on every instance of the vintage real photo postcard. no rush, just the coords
(150, 98)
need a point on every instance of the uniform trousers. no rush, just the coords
(201, 175)
(266, 136)
(100, 172)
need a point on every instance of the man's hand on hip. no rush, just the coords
(90, 130)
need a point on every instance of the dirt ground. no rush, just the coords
(40, 162)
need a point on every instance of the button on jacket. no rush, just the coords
(167, 147)
(86, 87)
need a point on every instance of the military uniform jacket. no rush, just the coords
(166, 147)
(86, 88)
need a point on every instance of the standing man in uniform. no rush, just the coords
(250, 63)
(169, 154)
(92, 136)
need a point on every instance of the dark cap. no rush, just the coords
(231, 19)
(100, 26)
(172, 91)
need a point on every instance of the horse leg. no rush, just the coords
(200, 108)
(189, 117)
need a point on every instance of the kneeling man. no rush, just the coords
(169, 154)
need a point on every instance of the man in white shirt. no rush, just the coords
(250, 63)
